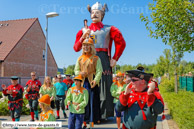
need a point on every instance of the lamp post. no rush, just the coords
(48, 15)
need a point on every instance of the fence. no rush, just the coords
(22, 81)
(186, 82)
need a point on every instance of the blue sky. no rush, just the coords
(123, 14)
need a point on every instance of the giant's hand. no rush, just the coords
(113, 62)
(85, 34)
(83, 74)
(93, 84)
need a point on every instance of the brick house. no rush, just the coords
(21, 49)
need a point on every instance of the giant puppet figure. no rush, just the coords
(104, 35)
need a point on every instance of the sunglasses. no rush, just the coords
(134, 80)
(59, 78)
(33, 75)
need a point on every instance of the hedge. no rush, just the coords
(5, 112)
(181, 105)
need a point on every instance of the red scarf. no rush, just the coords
(96, 26)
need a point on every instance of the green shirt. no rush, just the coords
(50, 91)
(98, 70)
(116, 90)
(77, 96)
(51, 117)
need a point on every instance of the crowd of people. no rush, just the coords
(135, 97)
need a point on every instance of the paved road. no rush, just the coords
(108, 124)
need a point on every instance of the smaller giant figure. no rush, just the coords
(89, 67)
(141, 105)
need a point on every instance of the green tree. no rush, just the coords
(159, 69)
(182, 67)
(116, 68)
(189, 67)
(70, 70)
(167, 60)
(150, 68)
(176, 59)
(126, 68)
(64, 70)
(173, 21)
(186, 67)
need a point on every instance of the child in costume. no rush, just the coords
(116, 89)
(77, 99)
(47, 112)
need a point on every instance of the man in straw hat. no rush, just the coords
(90, 68)
(77, 98)
(141, 108)
(104, 35)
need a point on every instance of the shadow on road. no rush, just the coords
(1, 119)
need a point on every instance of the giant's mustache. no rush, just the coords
(94, 16)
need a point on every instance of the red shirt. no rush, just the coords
(68, 82)
(17, 92)
(36, 84)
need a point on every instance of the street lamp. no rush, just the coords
(48, 15)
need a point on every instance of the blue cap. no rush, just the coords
(14, 77)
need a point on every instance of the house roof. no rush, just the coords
(11, 32)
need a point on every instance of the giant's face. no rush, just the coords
(86, 48)
(96, 16)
